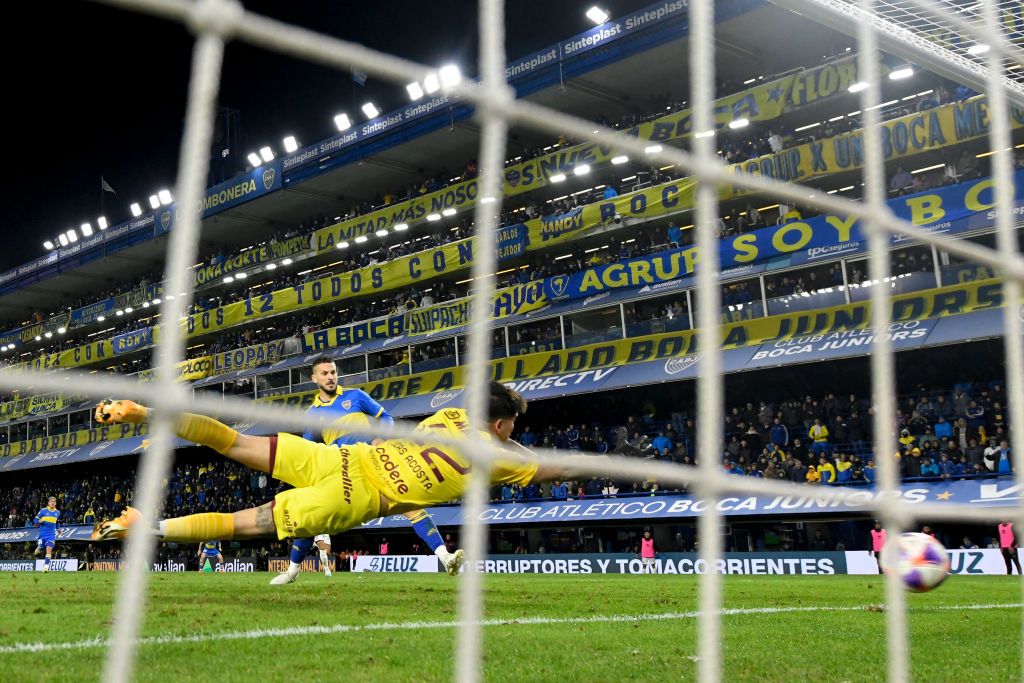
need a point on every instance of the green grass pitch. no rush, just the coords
(383, 627)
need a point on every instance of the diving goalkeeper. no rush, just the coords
(336, 487)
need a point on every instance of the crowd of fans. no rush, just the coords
(734, 147)
(822, 441)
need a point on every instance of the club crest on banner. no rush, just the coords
(559, 284)
(268, 178)
(512, 177)
(165, 220)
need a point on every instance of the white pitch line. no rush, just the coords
(292, 631)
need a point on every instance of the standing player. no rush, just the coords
(1008, 546)
(346, 411)
(647, 552)
(46, 519)
(337, 488)
(878, 538)
(210, 550)
(323, 548)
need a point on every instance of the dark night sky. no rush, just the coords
(96, 91)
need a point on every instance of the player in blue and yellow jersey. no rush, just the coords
(337, 487)
(210, 550)
(47, 520)
(345, 413)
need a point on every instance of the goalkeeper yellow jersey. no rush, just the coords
(421, 473)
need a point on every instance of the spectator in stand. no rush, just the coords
(662, 443)
(943, 429)
(528, 438)
(929, 468)
(779, 434)
(826, 471)
(1008, 546)
(797, 471)
(675, 235)
(902, 182)
(819, 437)
(844, 469)
(559, 491)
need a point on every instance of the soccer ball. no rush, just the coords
(920, 561)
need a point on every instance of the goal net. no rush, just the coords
(997, 68)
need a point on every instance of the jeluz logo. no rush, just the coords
(268, 178)
(444, 397)
(349, 349)
(393, 340)
(674, 366)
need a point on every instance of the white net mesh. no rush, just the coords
(216, 21)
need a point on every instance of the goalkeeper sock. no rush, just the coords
(425, 528)
(206, 431)
(205, 526)
(300, 548)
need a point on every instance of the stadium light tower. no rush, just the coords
(72, 236)
(48, 245)
(63, 239)
(597, 15)
(136, 209)
(102, 223)
(290, 144)
(900, 74)
(86, 230)
(415, 91)
(254, 160)
(165, 197)
(370, 110)
(450, 75)
(431, 84)
(266, 154)
(342, 122)
(154, 202)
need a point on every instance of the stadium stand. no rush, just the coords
(946, 437)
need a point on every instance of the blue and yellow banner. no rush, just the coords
(133, 341)
(761, 102)
(905, 308)
(249, 258)
(247, 358)
(902, 137)
(424, 321)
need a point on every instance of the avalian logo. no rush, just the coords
(559, 284)
(165, 220)
(512, 176)
(674, 366)
(268, 178)
(597, 297)
(444, 397)
(392, 340)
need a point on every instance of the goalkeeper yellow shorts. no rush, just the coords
(331, 493)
